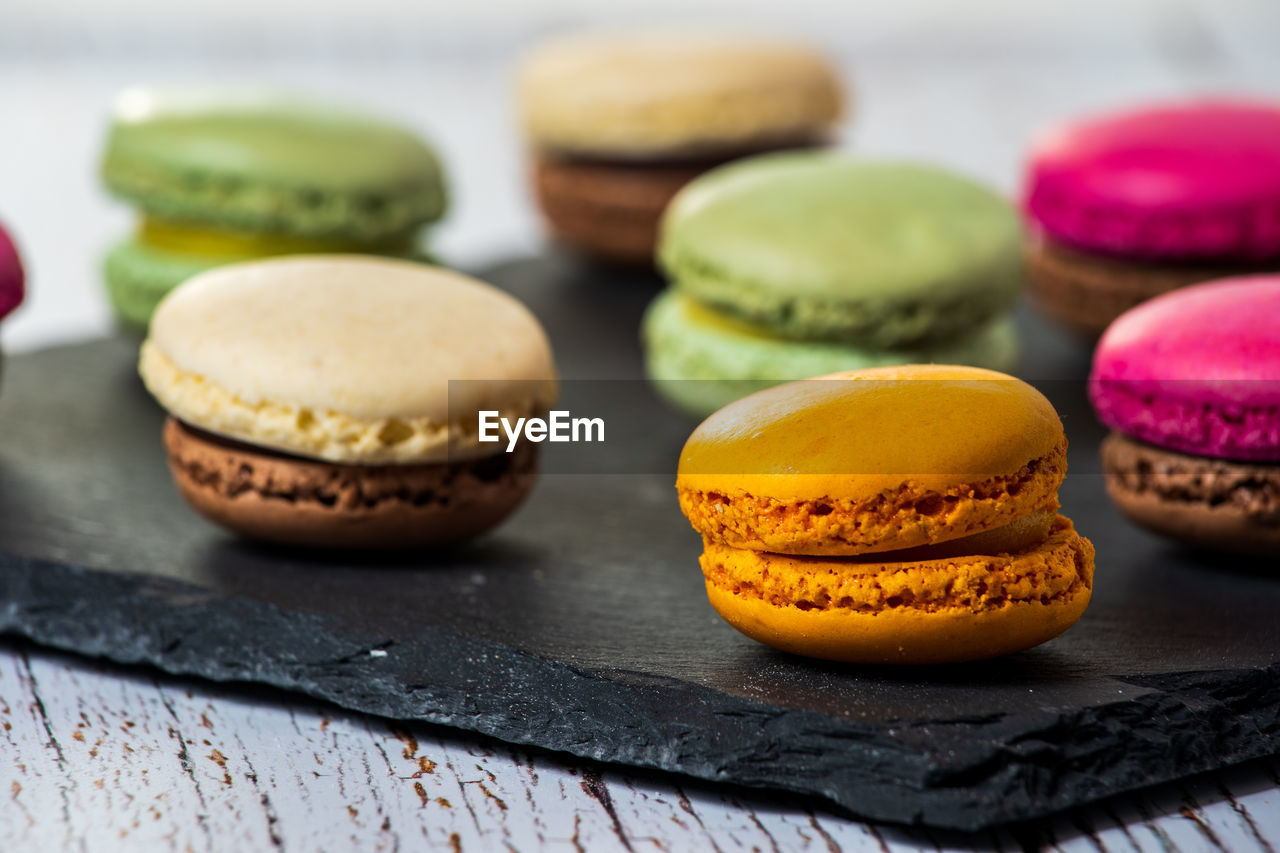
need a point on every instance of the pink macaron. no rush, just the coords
(1126, 206)
(11, 276)
(1196, 370)
(1193, 180)
(1189, 382)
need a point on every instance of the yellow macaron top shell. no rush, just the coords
(641, 95)
(346, 358)
(857, 434)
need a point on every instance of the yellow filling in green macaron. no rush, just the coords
(701, 315)
(209, 240)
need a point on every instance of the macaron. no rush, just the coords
(812, 259)
(618, 123)
(222, 177)
(928, 533)
(12, 278)
(334, 400)
(1132, 204)
(1189, 383)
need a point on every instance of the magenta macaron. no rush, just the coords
(11, 276)
(1129, 205)
(1189, 384)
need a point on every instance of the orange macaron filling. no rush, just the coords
(896, 515)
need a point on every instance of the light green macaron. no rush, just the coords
(269, 163)
(700, 360)
(223, 177)
(820, 246)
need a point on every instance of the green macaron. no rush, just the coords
(226, 177)
(702, 360)
(816, 245)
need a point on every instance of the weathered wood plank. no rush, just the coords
(35, 788)
(98, 757)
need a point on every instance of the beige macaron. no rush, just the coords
(644, 95)
(617, 124)
(334, 400)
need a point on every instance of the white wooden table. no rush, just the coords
(98, 757)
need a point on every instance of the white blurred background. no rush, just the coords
(964, 84)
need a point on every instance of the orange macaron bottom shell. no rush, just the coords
(873, 610)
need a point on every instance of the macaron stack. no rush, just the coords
(927, 533)
(12, 278)
(223, 178)
(1134, 204)
(324, 400)
(618, 124)
(796, 264)
(1190, 385)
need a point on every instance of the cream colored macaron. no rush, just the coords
(335, 400)
(660, 94)
(347, 359)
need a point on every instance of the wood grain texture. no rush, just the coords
(102, 758)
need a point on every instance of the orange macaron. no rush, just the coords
(892, 515)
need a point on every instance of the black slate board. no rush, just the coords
(582, 625)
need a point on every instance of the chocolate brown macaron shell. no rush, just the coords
(1085, 291)
(276, 497)
(609, 210)
(617, 122)
(1211, 503)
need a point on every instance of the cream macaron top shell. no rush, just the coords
(346, 358)
(662, 94)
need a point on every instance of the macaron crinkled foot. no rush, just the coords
(917, 538)
(334, 400)
(618, 123)
(224, 177)
(1190, 384)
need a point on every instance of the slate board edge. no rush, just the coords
(1049, 769)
